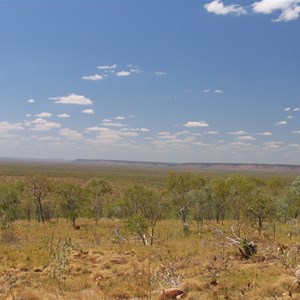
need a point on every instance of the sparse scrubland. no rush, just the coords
(117, 234)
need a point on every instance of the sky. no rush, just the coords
(148, 80)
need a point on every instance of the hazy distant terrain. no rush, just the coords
(196, 166)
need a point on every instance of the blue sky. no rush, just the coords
(181, 81)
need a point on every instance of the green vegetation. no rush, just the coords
(116, 235)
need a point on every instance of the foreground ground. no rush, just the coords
(54, 261)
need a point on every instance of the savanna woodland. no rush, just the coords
(79, 232)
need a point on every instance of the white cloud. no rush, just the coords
(39, 121)
(6, 126)
(112, 124)
(88, 111)
(144, 129)
(297, 109)
(30, 101)
(266, 133)
(123, 73)
(160, 73)
(182, 132)
(281, 123)
(47, 138)
(107, 67)
(212, 132)
(289, 9)
(63, 116)
(206, 91)
(93, 77)
(119, 118)
(217, 7)
(136, 70)
(289, 117)
(240, 132)
(107, 135)
(246, 138)
(273, 144)
(196, 124)
(44, 125)
(70, 134)
(44, 115)
(28, 115)
(287, 109)
(72, 99)
(296, 131)
(106, 120)
(218, 91)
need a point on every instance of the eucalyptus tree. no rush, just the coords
(294, 197)
(179, 187)
(10, 198)
(239, 188)
(40, 187)
(260, 207)
(98, 189)
(220, 194)
(143, 206)
(72, 198)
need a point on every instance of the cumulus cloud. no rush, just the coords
(43, 125)
(119, 118)
(289, 9)
(70, 134)
(6, 126)
(287, 109)
(30, 101)
(218, 91)
(297, 109)
(246, 138)
(112, 124)
(296, 131)
(107, 135)
(123, 73)
(107, 67)
(160, 73)
(196, 124)
(136, 70)
(88, 111)
(211, 132)
(217, 7)
(93, 77)
(206, 91)
(266, 133)
(239, 132)
(44, 115)
(281, 123)
(63, 116)
(72, 99)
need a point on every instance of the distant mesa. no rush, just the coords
(194, 166)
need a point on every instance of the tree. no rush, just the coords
(10, 195)
(179, 186)
(148, 204)
(260, 207)
(239, 188)
(40, 189)
(98, 189)
(294, 197)
(220, 196)
(72, 195)
(201, 199)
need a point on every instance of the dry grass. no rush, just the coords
(125, 269)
